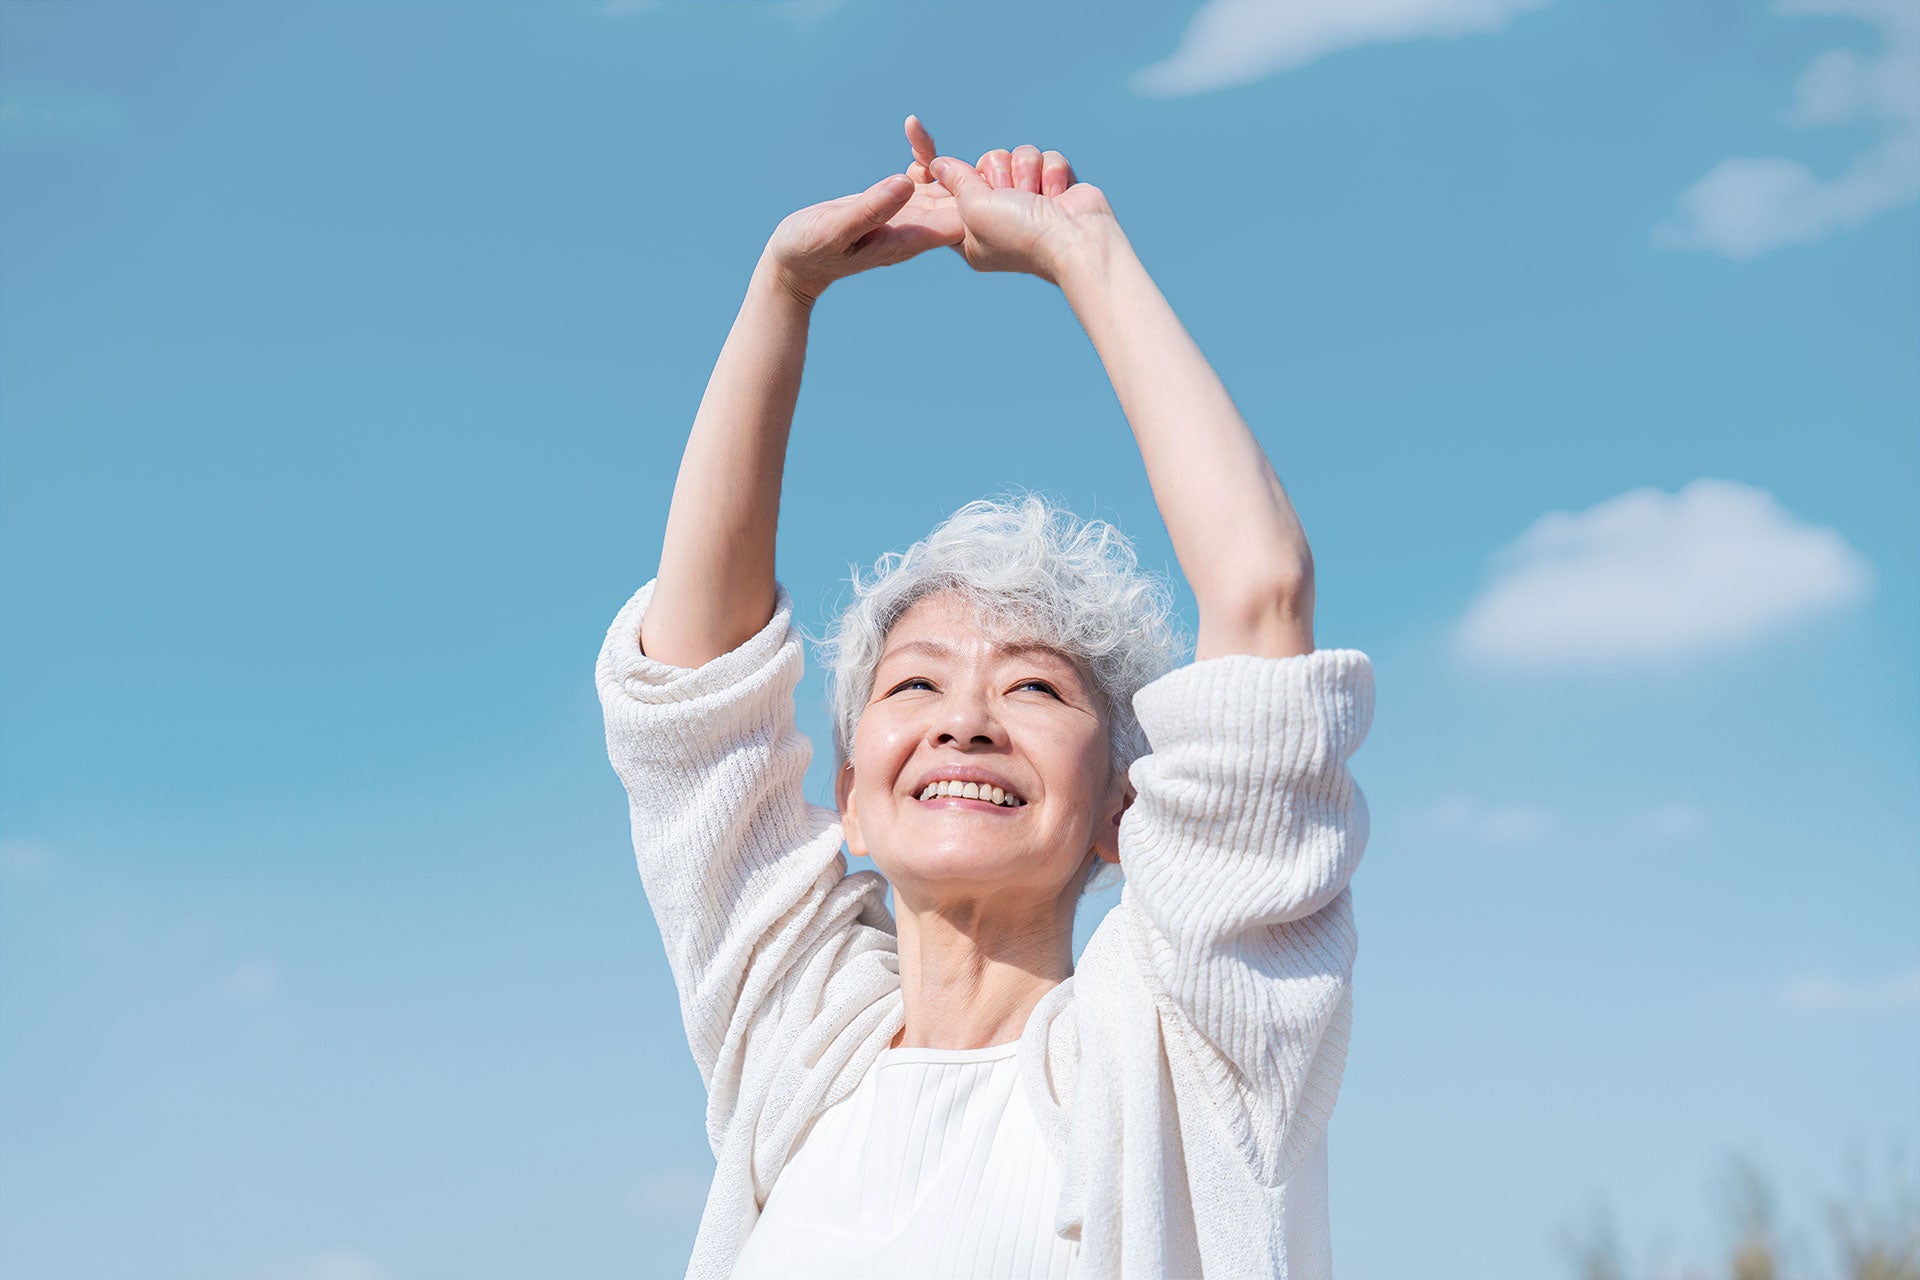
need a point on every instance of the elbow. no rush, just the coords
(1285, 594)
(1271, 620)
(1294, 586)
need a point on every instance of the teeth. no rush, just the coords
(972, 791)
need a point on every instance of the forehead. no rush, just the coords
(946, 626)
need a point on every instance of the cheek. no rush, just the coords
(877, 736)
(1073, 749)
(881, 745)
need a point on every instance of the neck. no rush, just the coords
(971, 971)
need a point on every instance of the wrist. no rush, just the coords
(773, 278)
(1089, 257)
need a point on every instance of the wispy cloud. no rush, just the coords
(24, 859)
(1232, 42)
(1670, 823)
(798, 12)
(251, 982)
(1745, 207)
(1479, 821)
(31, 113)
(802, 12)
(1653, 575)
(1835, 995)
(1470, 819)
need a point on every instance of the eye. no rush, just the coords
(908, 684)
(1042, 685)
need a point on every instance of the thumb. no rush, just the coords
(879, 202)
(959, 177)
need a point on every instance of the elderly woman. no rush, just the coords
(947, 1093)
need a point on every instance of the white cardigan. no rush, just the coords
(1186, 1071)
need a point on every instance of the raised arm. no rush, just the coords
(715, 587)
(715, 584)
(781, 958)
(1238, 538)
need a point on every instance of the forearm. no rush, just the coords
(715, 587)
(1238, 539)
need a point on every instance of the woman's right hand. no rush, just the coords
(897, 218)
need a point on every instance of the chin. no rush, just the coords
(982, 871)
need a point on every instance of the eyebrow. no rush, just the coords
(1025, 648)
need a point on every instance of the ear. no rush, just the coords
(849, 818)
(1119, 797)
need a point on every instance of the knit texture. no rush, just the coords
(1182, 1075)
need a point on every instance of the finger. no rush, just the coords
(933, 191)
(879, 202)
(922, 143)
(1026, 167)
(961, 178)
(1056, 175)
(998, 168)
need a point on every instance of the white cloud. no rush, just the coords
(802, 12)
(41, 113)
(23, 859)
(1745, 207)
(1474, 819)
(1231, 42)
(1670, 823)
(1467, 818)
(1833, 995)
(799, 12)
(1652, 575)
(251, 982)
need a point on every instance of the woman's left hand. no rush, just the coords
(1022, 210)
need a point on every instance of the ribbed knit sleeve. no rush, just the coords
(777, 952)
(1245, 830)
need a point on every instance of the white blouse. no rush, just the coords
(933, 1166)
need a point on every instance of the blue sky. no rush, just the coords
(346, 355)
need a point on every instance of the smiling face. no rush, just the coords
(952, 701)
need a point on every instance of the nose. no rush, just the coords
(964, 718)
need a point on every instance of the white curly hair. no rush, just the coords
(1031, 570)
